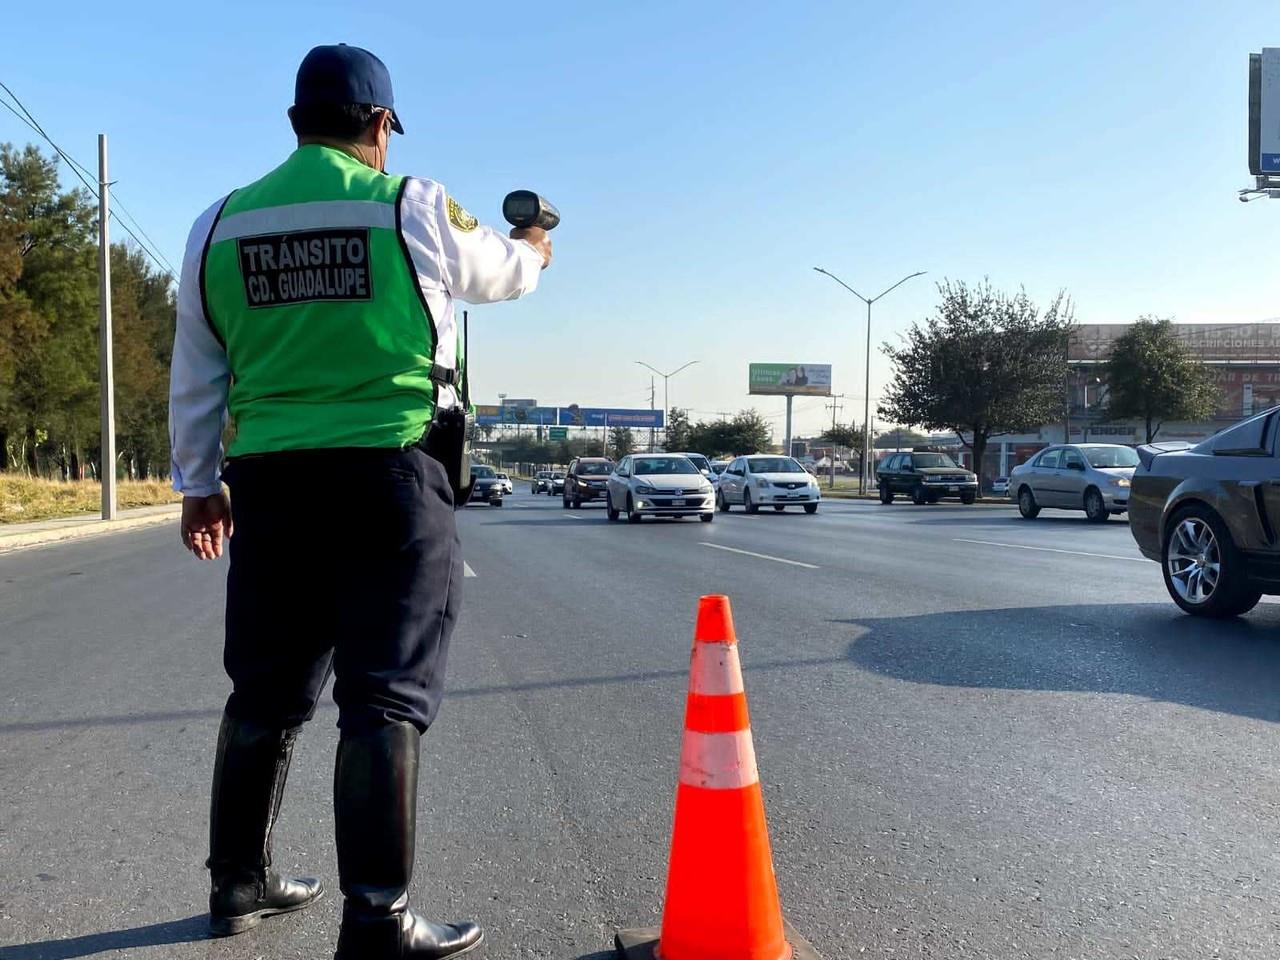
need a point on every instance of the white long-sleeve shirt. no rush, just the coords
(451, 259)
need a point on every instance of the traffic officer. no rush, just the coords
(316, 305)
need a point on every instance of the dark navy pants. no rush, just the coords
(343, 561)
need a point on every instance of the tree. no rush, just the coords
(622, 441)
(1151, 376)
(898, 437)
(849, 436)
(984, 364)
(677, 432)
(748, 432)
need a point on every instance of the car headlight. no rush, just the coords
(645, 490)
(761, 482)
(1121, 481)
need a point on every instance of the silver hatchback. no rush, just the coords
(1093, 477)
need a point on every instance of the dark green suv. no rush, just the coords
(925, 478)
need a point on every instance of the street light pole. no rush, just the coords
(866, 407)
(666, 392)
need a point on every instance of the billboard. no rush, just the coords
(779, 379)
(576, 416)
(1264, 112)
(1208, 341)
(570, 416)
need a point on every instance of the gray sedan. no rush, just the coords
(1093, 477)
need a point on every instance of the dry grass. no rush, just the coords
(23, 498)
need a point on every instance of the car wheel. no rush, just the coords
(778, 507)
(706, 517)
(1027, 505)
(967, 498)
(495, 503)
(933, 498)
(632, 515)
(747, 505)
(918, 496)
(1203, 570)
(721, 503)
(1095, 508)
(886, 495)
(810, 508)
(564, 503)
(609, 511)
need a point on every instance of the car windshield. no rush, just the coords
(595, 469)
(719, 467)
(652, 466)
(1111, 456)
(774, 465)
(932, 460)
(483, 472)
(502, 476)
(557, 476)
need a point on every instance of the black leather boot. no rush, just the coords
(248, 785)
(375, 794)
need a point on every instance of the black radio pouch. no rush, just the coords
(448, 440)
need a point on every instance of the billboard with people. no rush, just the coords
(780, 379)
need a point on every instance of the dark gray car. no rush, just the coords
(1209, 515)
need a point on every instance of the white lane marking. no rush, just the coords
(466, 570)
(758, 556)
(574, 516)
(1074, 553)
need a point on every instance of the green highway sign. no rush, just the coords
(558, 433)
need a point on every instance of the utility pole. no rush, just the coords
(106, 372)
(666, 393)
(831, 483)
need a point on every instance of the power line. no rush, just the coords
(80, 170)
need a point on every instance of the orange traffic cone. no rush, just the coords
(722, 897)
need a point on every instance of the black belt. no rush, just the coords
(446, 375)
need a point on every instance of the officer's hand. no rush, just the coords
(538, 238)
(205, 521)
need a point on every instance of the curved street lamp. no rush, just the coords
(666, 410)
(866, 409)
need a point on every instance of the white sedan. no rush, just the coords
(767, 481)
(506, 483)
(654, 485)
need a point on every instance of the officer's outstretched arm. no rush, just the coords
(480, 264)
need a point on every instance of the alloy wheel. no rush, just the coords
(1194, 560)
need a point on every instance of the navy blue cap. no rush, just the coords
(340, 74)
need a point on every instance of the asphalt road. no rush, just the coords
(978, 737)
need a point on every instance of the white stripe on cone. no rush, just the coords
(715, 670)
(718, 761)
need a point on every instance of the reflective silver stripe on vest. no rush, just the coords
(317, 215)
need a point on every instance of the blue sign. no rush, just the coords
(542, 416)
(1270, 163)
(576, 416)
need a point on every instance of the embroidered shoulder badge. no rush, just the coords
(459, 217)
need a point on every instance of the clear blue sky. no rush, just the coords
(706, 155)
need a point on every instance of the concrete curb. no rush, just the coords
(10, 542)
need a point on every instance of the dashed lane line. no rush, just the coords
(466, 570)
(1074, 553)
(758, 556)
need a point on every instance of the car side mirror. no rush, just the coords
(1076, 466)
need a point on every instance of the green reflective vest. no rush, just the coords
(309, 286)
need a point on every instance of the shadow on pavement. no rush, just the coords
(463, 693)
(1067, 518)
(1145, 650)
(153, 935)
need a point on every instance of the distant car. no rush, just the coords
(506, 483)
(699, 461)
(924, 477)
(1093, 477)
(540, 481)
(1209, 514)
(555, 484)
(1000, 486)
(718, 466)
(587, 479)
(486, 487)
(658, 485)
(767, 481)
